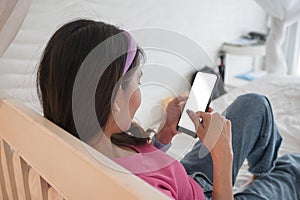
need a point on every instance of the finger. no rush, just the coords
(210, 110)
(176, 101)
(167, 101)
(227, 131)
(219, 121)
(206, 117)
(181, 99)
(181, 105)
(194, 117)
(228, 123)
(201, 132)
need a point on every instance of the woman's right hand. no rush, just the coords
(214, 131)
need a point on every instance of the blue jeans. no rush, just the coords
(254, 137)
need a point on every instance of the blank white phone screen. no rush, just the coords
(199, 97)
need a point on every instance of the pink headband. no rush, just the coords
(131, 51)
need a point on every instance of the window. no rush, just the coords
(297, 49)
(298, 67)
(292, 48)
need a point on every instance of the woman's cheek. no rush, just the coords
(135, 102)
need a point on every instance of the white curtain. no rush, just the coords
(12, 15)
(283, 13)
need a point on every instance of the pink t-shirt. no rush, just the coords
(162, 172)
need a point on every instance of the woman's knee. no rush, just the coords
(254, 98)
(248, 105)
(254, 102)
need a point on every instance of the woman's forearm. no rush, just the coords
(222, 187)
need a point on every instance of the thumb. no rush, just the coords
(194, 117)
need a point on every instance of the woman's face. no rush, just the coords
(127, 101)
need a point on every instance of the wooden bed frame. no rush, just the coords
(39, 161)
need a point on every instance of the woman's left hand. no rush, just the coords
(168, 128)
(173, 112)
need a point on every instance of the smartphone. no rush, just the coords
(198, 100)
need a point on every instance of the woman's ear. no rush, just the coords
(118, 103)
(116, 107)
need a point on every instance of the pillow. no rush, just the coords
(12, 15)
(219, 90)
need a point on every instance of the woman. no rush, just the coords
(85, 58)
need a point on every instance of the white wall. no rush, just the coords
(207, 23)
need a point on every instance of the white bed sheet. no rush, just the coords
(284, 95)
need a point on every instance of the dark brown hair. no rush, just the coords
(61, 60)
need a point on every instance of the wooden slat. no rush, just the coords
(21, 177)
(3, 193)
(53, 194)
(6, 156)
(64, 161)
(37, 186)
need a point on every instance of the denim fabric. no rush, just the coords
(282, 183)
(205, 184)
(254, 137)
